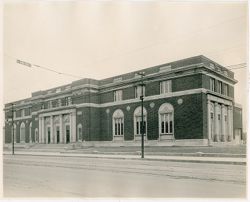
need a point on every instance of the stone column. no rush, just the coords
(226, 123)
(230, 123)
(43, 131)
(51, 130)
(46, 132)
(209, 137)
(73, 126)
(55, 133)
(40, 128)
(223, 135)
(61, 128)
(216, 125)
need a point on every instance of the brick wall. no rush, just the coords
(128, 93)
(188, 118)
(187, 82)
(152, 88)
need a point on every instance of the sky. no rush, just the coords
(100, 39)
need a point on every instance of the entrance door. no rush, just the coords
(48, 135)
(57, 136)
(67, 134)
(212, 126)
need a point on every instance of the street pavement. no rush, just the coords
(83, 176)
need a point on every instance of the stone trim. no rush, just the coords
(22, 118)
(147, 98)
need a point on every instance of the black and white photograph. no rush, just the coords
(124, 99)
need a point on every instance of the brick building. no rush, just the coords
(187, 102)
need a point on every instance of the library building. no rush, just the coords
(186, 102)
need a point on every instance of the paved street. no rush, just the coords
(51, 176)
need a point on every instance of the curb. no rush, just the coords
(137, 158)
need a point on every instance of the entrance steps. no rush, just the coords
(37, 147)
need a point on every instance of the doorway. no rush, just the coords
(48, 135)
(57, 135)
(67, 134)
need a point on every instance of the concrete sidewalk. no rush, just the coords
(192, 159)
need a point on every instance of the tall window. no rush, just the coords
(166, 119)
(50, 104)
(22, 132)
(22, 112)
(30, 132)
(212, 84)
(165, 86)
(79, 132)
(219, 87)
(118, 95)
(59, 102)
(138, 125)
(138, 91)
(225, 89)
(68, 101)
(118, 123)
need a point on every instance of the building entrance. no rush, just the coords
(48, 135)
(57, 135)
(67, 134)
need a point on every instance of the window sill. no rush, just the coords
(166, 136)
(118, 138)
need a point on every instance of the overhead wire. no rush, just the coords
(138, 49)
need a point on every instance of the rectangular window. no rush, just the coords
(139, 90)
(22, 113)
(58, 103)
(117, 95)
(49, 104)
(219, 87)
(165, 86)
(225, 90)
(218, 116)
(212, 84)
(68, 101)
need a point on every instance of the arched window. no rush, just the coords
(118, 123)
(138, 126)
(22, 132)
(30, 132)
(166, 119)
(79, 132)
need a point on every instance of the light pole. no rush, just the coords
(142, 74)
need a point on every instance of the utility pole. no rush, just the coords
(12, 125)
(142, 74)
